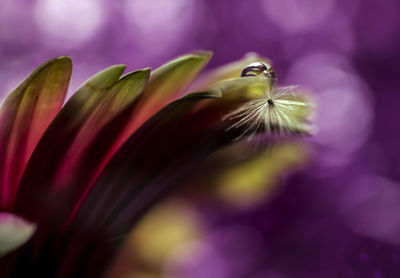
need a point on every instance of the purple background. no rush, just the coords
(340, 217)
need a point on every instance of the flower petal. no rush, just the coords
(14, 232)
(170, 144)
(24, 116)
(157, 157)
(228, 71)
(166, 84)
(122, 95)
(51, 149)
(95, 139)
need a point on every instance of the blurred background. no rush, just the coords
(326, 207)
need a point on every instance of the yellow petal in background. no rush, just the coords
(253, 181)
(166, 227)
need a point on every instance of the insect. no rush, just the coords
(282, 111)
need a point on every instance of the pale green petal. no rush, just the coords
(14, 232)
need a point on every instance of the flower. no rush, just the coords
(82, 174)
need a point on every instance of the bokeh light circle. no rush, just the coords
(370, 206)
(295, 16)
(68, 23)
(197, 259)
(160, 24)
(344, 110)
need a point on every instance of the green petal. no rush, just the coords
(25, 115)
(166, 84)
(86, 99)
(56, 141)
(14, 232)
(159, 156)
(154, 145)
(166, 148)
(122, 95)
(170, 80)
(228, 71)
(93, 146)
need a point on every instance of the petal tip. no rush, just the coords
(106, 77)
(141, 72)
(14, 232)
(62, 61)
(203, 53)
(63, 58)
